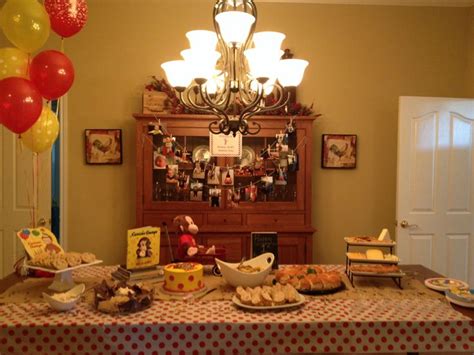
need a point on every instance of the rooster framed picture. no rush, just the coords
(103, 146)
(339, 151)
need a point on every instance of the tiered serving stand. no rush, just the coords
(396, 277)
(63, 280)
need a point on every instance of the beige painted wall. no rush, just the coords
(362, 59)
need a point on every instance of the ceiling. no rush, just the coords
(451, 3)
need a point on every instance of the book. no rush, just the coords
(143, 247)
(264, 242)
(123, 274)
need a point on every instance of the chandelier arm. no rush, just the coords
(254, 103)
(189, 104)
(281, 103)
(244, 92)
(206, 99)
(257, 129)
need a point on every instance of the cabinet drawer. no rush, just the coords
(156, 219)
(275, 219)
(224, 219)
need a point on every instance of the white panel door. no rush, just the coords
(17, 193)
(435, 185)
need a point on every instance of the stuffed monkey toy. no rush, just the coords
(186, 230)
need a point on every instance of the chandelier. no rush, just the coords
(246, 67)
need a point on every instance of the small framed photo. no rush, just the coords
(103, 146)
(339, 151)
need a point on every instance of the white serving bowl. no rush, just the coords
(74, 295)
(236, 278)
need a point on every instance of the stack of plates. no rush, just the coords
(456, 291)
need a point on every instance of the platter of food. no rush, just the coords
(463, 301)
(445, 283)
(378, 270)
(122, 298)
(365, 258)
(267, 297)
(369, 241)
(310, 279)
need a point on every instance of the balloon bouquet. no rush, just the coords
(26, 81)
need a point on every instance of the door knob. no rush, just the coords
(405, 224)
(42, 222)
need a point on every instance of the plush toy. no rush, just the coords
(186, 230)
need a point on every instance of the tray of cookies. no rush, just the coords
(122, 297)
(372, 256)
(61, 262)
(267, 297)
(379, 270)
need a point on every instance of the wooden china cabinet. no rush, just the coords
(286, 209)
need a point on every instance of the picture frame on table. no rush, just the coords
(103, 146)
(339, 151)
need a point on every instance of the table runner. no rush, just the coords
(321, 325)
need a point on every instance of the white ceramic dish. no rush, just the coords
(236, 278)
(282, 306)
(460, 303)
(74, 295)
(444, 283)
(452, 294)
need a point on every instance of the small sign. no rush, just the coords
(143, 247)
(225, 145)
(39, 240)
(264, 242)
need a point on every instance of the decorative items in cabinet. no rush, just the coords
(267, 188)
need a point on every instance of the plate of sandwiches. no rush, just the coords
(310, 279)
(267, 297)
(381, 270)
(368, 241)
(375, 256)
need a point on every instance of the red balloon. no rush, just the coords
(67, 16)
(20, 104)
(53, 74)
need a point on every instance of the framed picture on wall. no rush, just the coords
(103, 146)
(339, 151)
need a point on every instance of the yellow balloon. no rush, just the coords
(13, 62)
(43, 133)
(25, 23)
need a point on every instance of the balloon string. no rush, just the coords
(28, 66)
(28, 192)
(62, 45)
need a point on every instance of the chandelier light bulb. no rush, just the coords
(202, 40)
(263, 63)
(202, 63)
(268, 40)
(178, 74)
(291, 71)
(234, 26)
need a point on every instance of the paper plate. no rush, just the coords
(444, 283)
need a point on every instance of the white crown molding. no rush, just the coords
(444, 3)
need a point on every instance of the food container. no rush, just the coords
(235, 277)
(66, 300)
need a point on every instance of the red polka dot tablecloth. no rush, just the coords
(320, 325)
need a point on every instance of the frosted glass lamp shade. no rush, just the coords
(268, 40)
(178, 73)
(291, 71)
(263, 63)
(202, 63)
(267, 87)
(234, 26)
(202, 40)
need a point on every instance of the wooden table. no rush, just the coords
(321, 325)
